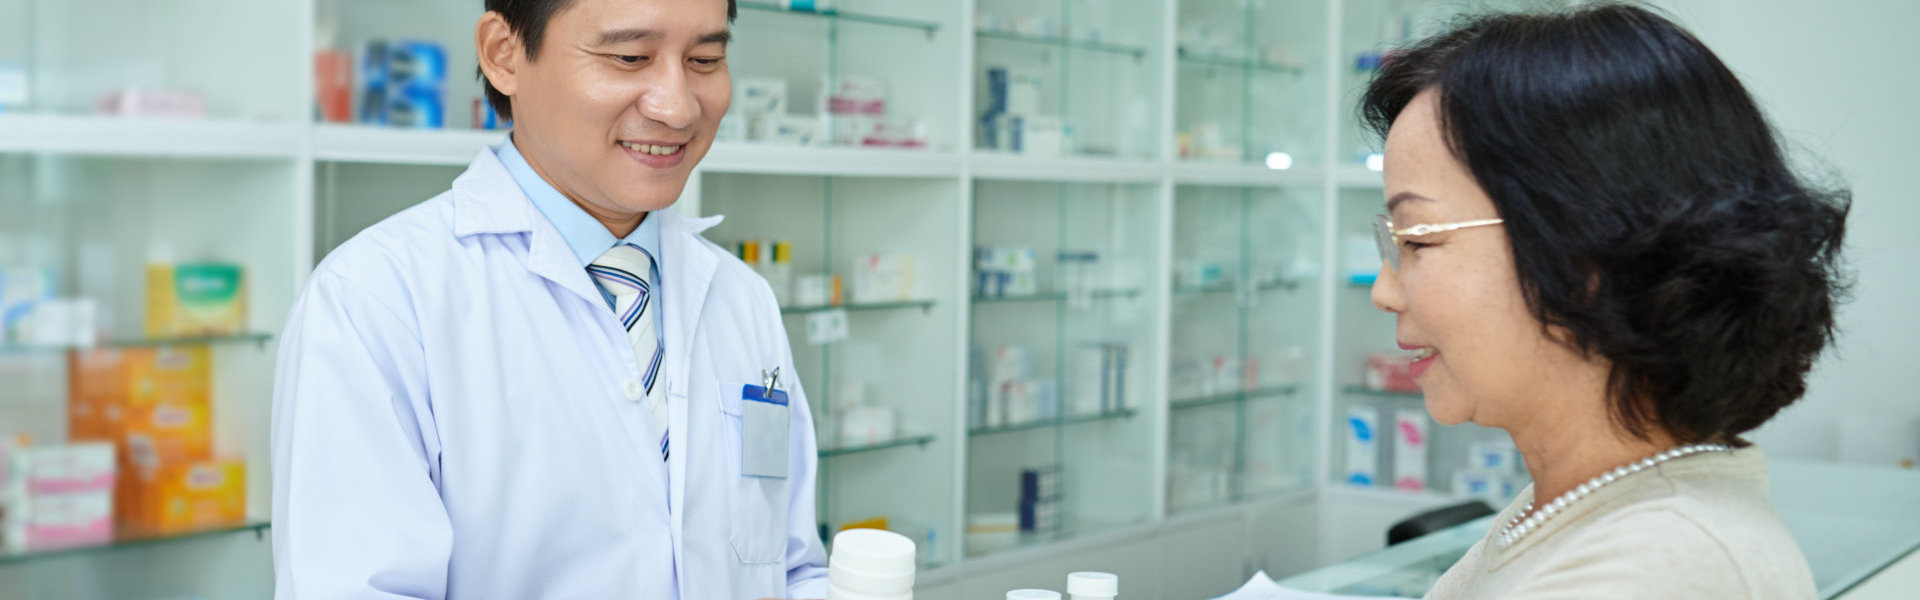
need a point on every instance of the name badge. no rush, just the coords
(766, 422)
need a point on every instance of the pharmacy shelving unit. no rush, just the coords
(96, 199)
(1191, 134)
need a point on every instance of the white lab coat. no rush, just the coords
(453, 418)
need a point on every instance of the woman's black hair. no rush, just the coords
(1652, 213)
(528, 19)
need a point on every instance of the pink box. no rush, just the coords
(68, 469)
(152, 103)
(1391, 373)
(68, 520)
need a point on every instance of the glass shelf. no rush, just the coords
(1229, 289)
(258, 338)
(1235, 397)
(1053, 297)
(917, 440)
(1242, 63)
(1136, 52)
(1125, 413)
(923, 305)
(130, 540)
(927, 26)
(1362, 390)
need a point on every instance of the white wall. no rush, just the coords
(1837, 79)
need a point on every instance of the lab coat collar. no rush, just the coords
(488, 201)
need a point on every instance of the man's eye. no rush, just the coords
(628, 59)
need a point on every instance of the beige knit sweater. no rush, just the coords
(1695, 527)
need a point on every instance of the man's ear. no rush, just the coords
(500, 52)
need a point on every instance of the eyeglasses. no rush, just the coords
(1388, 238)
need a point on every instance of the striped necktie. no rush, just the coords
(626, 272)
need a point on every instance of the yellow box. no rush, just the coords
(154, 403)
(187, 497)
(196, 299)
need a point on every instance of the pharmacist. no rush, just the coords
(543, 383)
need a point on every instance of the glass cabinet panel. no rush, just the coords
(1062, 361)
(1067, 78)
(1244, 323)
(1249, 80)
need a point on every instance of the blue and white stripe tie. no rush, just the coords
(626, 272)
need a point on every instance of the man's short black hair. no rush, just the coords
(528, 19)
(1650, 209)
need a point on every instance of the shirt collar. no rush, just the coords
(585, 235)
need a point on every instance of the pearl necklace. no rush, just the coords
(1527, 521)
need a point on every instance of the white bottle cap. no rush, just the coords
(1033, 595)
(873, 551)
(1092, 583)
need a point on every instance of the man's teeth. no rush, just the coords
(1424, 353)
(651, 149)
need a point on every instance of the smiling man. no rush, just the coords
(542, 383)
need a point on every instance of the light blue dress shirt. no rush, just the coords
(587, 236)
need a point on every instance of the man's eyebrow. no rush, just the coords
(621, 36)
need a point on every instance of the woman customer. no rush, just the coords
(1595, 243)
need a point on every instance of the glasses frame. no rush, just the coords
(1387, 239)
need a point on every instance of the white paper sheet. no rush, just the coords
(1262, 587)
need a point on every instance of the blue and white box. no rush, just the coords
(1363, 446)
(21, 290)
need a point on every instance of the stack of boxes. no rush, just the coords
(402, 84)
(1006, 392)
(30, 313)
(1005, 271)
(858, 423)
(56, 496)
(880, 278)
(856, 108)
(1012, 121)
(1040, 499)
(1391, 373)
(1493, 472)
(154, 406)
(759, 113)
(1099, 383)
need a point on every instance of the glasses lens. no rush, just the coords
(1383, 239)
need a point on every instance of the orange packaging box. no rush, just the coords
(202, 495)
(186, 497)
(154, 403)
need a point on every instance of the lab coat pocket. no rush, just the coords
(758, 505)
